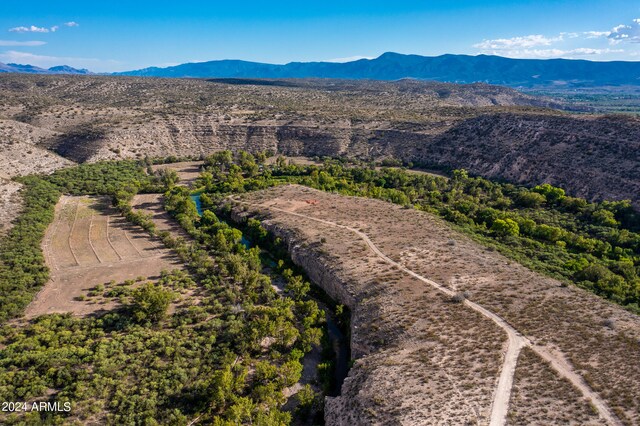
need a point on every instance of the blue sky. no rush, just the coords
(119, 35)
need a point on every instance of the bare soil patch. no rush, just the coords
(89, 244)
(188, 171)
(300, 161)
(153, 204)
(10, 203)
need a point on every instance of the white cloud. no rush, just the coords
(518, 42)
(348, 59)
(21, 43)
(31, 29)
(591, 51)
(554, 53)
(34, 29)
(628, 33)
(564, 45)
(596, 34)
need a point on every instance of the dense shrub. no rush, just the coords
(540, 227)
(192, 364)
(22, 267)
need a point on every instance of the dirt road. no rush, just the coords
(516, 341)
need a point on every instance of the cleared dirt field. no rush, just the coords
(153, 204)
(88, 244)
(188, 171)
(423, 359)
(300, 161)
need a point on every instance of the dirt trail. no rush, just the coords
(517, 341)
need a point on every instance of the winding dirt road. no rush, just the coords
(516, 341)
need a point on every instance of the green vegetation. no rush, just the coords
(150, 303)
(624, 100)
(22, 268)
(104, 178)
(594, 245)
(216, 342)
(138, 364)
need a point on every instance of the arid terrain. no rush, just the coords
(47, 122)
(89, 244)
(445, 331)
(9, 203)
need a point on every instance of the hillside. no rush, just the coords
(446, 68)
(51, 121)
(549, 74)
(409, 340)
(585, 154)
(32, 69)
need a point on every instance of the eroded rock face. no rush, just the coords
(420, 358)
(21, 154)
(397, 375)
(594, 158)
(198, 137)
(491, 131)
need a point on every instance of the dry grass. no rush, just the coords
(10, 204)
(540, 398)
(421, 358)
(188, 171)
(565, 319)
(87, 245)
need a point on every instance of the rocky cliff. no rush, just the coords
(592, 157)
(421, 357)
(491, 131)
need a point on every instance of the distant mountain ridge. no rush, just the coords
(445, 68)
(497, 70)
(32, 69)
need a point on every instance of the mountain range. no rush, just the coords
(559, 73)
(31, 69)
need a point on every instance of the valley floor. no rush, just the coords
(89, 244)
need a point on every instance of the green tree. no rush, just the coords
(530, 199)
(298, 287)
(605, 218)
(150, 303)
(505, 227)
(551, 193)
(307, 400)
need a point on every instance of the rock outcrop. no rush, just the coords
(491, 131)
(421, 357)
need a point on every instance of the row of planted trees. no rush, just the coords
(224, 355)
